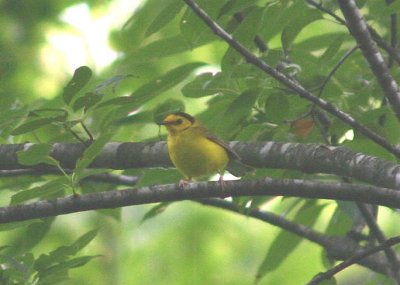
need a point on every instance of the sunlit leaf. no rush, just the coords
(165, 16)
(155, 87)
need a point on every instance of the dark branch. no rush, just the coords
(309, 158)
(172, 192)
(361, 33)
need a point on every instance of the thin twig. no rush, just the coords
(335, 68)
(87, 132)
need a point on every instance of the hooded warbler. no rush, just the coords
(197, 153)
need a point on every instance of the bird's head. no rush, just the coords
(178, 122)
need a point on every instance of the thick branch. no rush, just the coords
(309, 158)
(360, 32)
(172, 192)
(291, 84)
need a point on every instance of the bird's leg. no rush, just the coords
(221, 180)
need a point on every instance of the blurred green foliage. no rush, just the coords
(169, 60)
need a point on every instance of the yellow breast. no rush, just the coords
(194, 155)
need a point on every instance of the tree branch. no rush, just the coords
(308, 158)
(360, 32)
(172, 192)
(291, 84)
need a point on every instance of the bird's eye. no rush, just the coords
(178, 122)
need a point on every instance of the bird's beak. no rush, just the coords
(166, 123)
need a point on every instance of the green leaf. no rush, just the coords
(233, 6)
(286, 242)
(59, 272)
(152, 89)
(14, 225)
(155, 211)
(47, 189)
(245, 34)
(91, 152)
(277, 13)
(84, 240)
(114, 81)
(63, 253)
(393, 8)
(193, 29)
(332, 49)
(342, 219)
(164, 17)
(237, 112)
(168, 107)
(200, 86)
(34, 154)
(34, 124)
(80, 78)
(159, 48)
(300, 17)
(87, 101)
(277, 108)
(34, 233)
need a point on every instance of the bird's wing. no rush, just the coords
(231, 153)
(235, 166)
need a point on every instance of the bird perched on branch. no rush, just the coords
(197, 153)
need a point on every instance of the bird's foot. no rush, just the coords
(183, 183)
(222, 183)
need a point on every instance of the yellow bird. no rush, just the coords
(197, 153)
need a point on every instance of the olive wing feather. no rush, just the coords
(235, 166)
